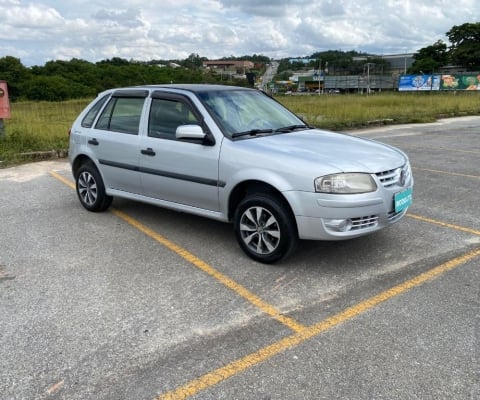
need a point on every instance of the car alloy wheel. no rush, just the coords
(90, 188)
(265, 227)
(259, 230)
(87, 188)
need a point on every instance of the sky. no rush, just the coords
(38, 31)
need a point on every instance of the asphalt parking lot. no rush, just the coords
(144, 303)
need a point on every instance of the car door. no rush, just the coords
(114, 140)
(178, 170)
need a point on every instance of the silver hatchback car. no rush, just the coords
(236, 155)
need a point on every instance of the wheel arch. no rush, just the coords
(79, 161)
(245, 188)
(89, 185)
(268, 234)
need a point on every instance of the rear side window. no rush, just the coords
(122, 114)
(87, 121)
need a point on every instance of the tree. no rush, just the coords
(465, 45)
(50, 88)
(193, 61)
(430, 58)
(13, 71)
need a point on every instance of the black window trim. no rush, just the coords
(102, 102)
(114, 99)
(161, 95)
(165, 95)
(140, 93)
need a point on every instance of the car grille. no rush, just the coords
(392, 177)
(395, 216)
(364, 222)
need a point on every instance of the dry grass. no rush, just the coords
(43, 126)
(350, 111)
(37, 127)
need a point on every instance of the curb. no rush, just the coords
(44, 155)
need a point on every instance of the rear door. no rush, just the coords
(114, 140)
(178, 170)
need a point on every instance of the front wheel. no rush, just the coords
(265, 228)
(91, 189)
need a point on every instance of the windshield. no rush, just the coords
(238, 111)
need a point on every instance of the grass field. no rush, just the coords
(337, 112)
(37, 127)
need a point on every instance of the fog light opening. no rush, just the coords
(340, 225)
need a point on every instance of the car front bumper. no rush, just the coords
(337, 217)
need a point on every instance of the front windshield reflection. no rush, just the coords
(245, 110)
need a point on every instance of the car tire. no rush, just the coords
(265, 228)
(91, 189)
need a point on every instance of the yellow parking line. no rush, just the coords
(229, 283)
(62, 179)
(302, 333)
(445, 224)
(210, 379)
(406, 146)
(447, 172)
(226, 281)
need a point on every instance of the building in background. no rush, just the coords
(230, 68)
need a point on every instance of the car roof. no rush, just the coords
(192, 87)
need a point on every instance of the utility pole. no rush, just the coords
(368, 75)
(319, 76)
(368, 78)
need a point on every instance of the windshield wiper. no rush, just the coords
(255, 132)
(251, 132)
(292, 128)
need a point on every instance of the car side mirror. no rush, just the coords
(190, 132)
(195, 133)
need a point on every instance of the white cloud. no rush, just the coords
(30, 16)
(41, 30)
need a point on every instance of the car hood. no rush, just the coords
(332, 152)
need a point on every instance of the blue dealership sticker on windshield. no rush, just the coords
(403, 200)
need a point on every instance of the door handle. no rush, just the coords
(148, 152)
(93, 142)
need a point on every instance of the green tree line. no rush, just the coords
(462, 51)
(62, 80)
(336, 62)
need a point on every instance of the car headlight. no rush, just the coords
(345, 183)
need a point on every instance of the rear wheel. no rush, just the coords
(91, 189)
(265, 228)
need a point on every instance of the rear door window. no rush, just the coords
(122, 114)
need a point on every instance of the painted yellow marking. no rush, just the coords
(446, 172)
(302, 333)
(434, 148)
(226, 281)
(445, 224)
(63, 179)
(229, 283)
(242, 364)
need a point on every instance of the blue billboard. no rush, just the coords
(419, 82)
